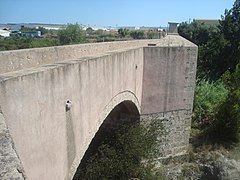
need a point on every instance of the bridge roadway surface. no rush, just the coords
(40, 138)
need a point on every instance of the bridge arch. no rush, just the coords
(126, 97)
(124, 107)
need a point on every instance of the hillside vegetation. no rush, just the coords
(217, 96)
(71, 34)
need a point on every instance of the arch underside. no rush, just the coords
(122, 109)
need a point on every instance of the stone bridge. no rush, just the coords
(53, 100)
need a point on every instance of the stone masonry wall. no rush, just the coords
(176, 127)
(190, 77)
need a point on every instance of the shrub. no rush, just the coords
(71, 34)
(123, 32)
(208, 97)
(137, 34)
(43, 43)
(120, 155)
(227, 120)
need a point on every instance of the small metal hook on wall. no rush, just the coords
(68, 105)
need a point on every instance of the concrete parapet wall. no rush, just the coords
(28, 58)
(164, 79)
(51, 141)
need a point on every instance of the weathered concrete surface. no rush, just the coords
(28, 58)
(168, 90)
(51, 139)
(33, 102)
(169, 75)
(10, 165)
(175, 41)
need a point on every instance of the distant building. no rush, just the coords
(50, 26)
(10, 27)
(209, 22)
(17, 27)
(151, 28)
(4, 33)
(173, 28)
(103, 28)
(32, 33)
(95, 28)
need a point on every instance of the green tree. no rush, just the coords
(99, 32)
(43, 30)
(198, 33)
(211, 57)
(27, 29)
(219, 47)
(89, 30)
(230, 29)
(227, 121)
(153, 35)
(123, 32)
(209, 95)
(210, 43)
(72, 34)
(137, 34)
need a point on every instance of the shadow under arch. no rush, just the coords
(124, 113)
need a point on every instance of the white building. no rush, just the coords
(4, 33)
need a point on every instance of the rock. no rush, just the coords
(228, 169)
(213, 165)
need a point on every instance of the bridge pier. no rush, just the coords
(168, 91)
(176, 127)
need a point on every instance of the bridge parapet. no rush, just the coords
(29, 58)
(49, 140)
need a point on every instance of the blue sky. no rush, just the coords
(110, 12)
